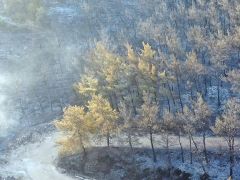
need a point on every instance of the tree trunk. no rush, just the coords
(218, 93)
(81, 144)
(115, 101)
(210, 81)
(84, 158)
(231, 156)
(169, 106)
(190, 146)
(130, 141)
(169, 88)
(133, 104)
(168, 153)
(84, 150)
(196, 84)
(191, 93)
(153, 150)
(205, 85)
(180, 143)
(198, 153)
(108, 139)
(179, 94)
(205, 148)
(195, 144)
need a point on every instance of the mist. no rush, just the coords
(119, 89)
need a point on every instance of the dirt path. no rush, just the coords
(35, 162)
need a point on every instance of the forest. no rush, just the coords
(158, 93)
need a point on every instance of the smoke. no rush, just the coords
(39, 64)
(6, 123)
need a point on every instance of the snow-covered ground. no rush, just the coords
(218, 167)
(35, 162)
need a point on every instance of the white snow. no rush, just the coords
(35, 162)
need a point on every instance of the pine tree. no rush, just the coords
(167, 127)
(149, 119)
(76, 128)
(129, 123)
(107, 68)
(194, 69)
(104, 117)
(130, 79)
(201, 120)
(165, 88)
(228, 126)
(88, 86)
(234, 78)
(176, 68)
(148, 71)
(187, 119)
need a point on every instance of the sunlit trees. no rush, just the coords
(76, 128)
(176, 54)
(195, 70)
(148, 71)
(131, 81)
(164, 79)
(219, 57)
(129, 125)
(173, 124)
(106, 66)
(228, 126)
(88, 86)
(177, 69)
(186, 117)
(149, 119)
(167, 127)
(179, 131)
(78, 124)
(104, 117)
(201, 120)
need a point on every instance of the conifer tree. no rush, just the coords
(148, 70)
(201, 120)
(234, 78)
(149, 119)
(129, 123)
(165, 89)
(88, 86)
(187, 118)
(76, 128)
(194, 69)
(228, 126)
(104, 117)
(176, 68)
(167, 127)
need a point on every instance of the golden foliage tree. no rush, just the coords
(76, 129)
(104, 117)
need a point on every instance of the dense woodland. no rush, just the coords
(161, 85)
(173, 70)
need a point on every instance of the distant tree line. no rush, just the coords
(24, 11)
